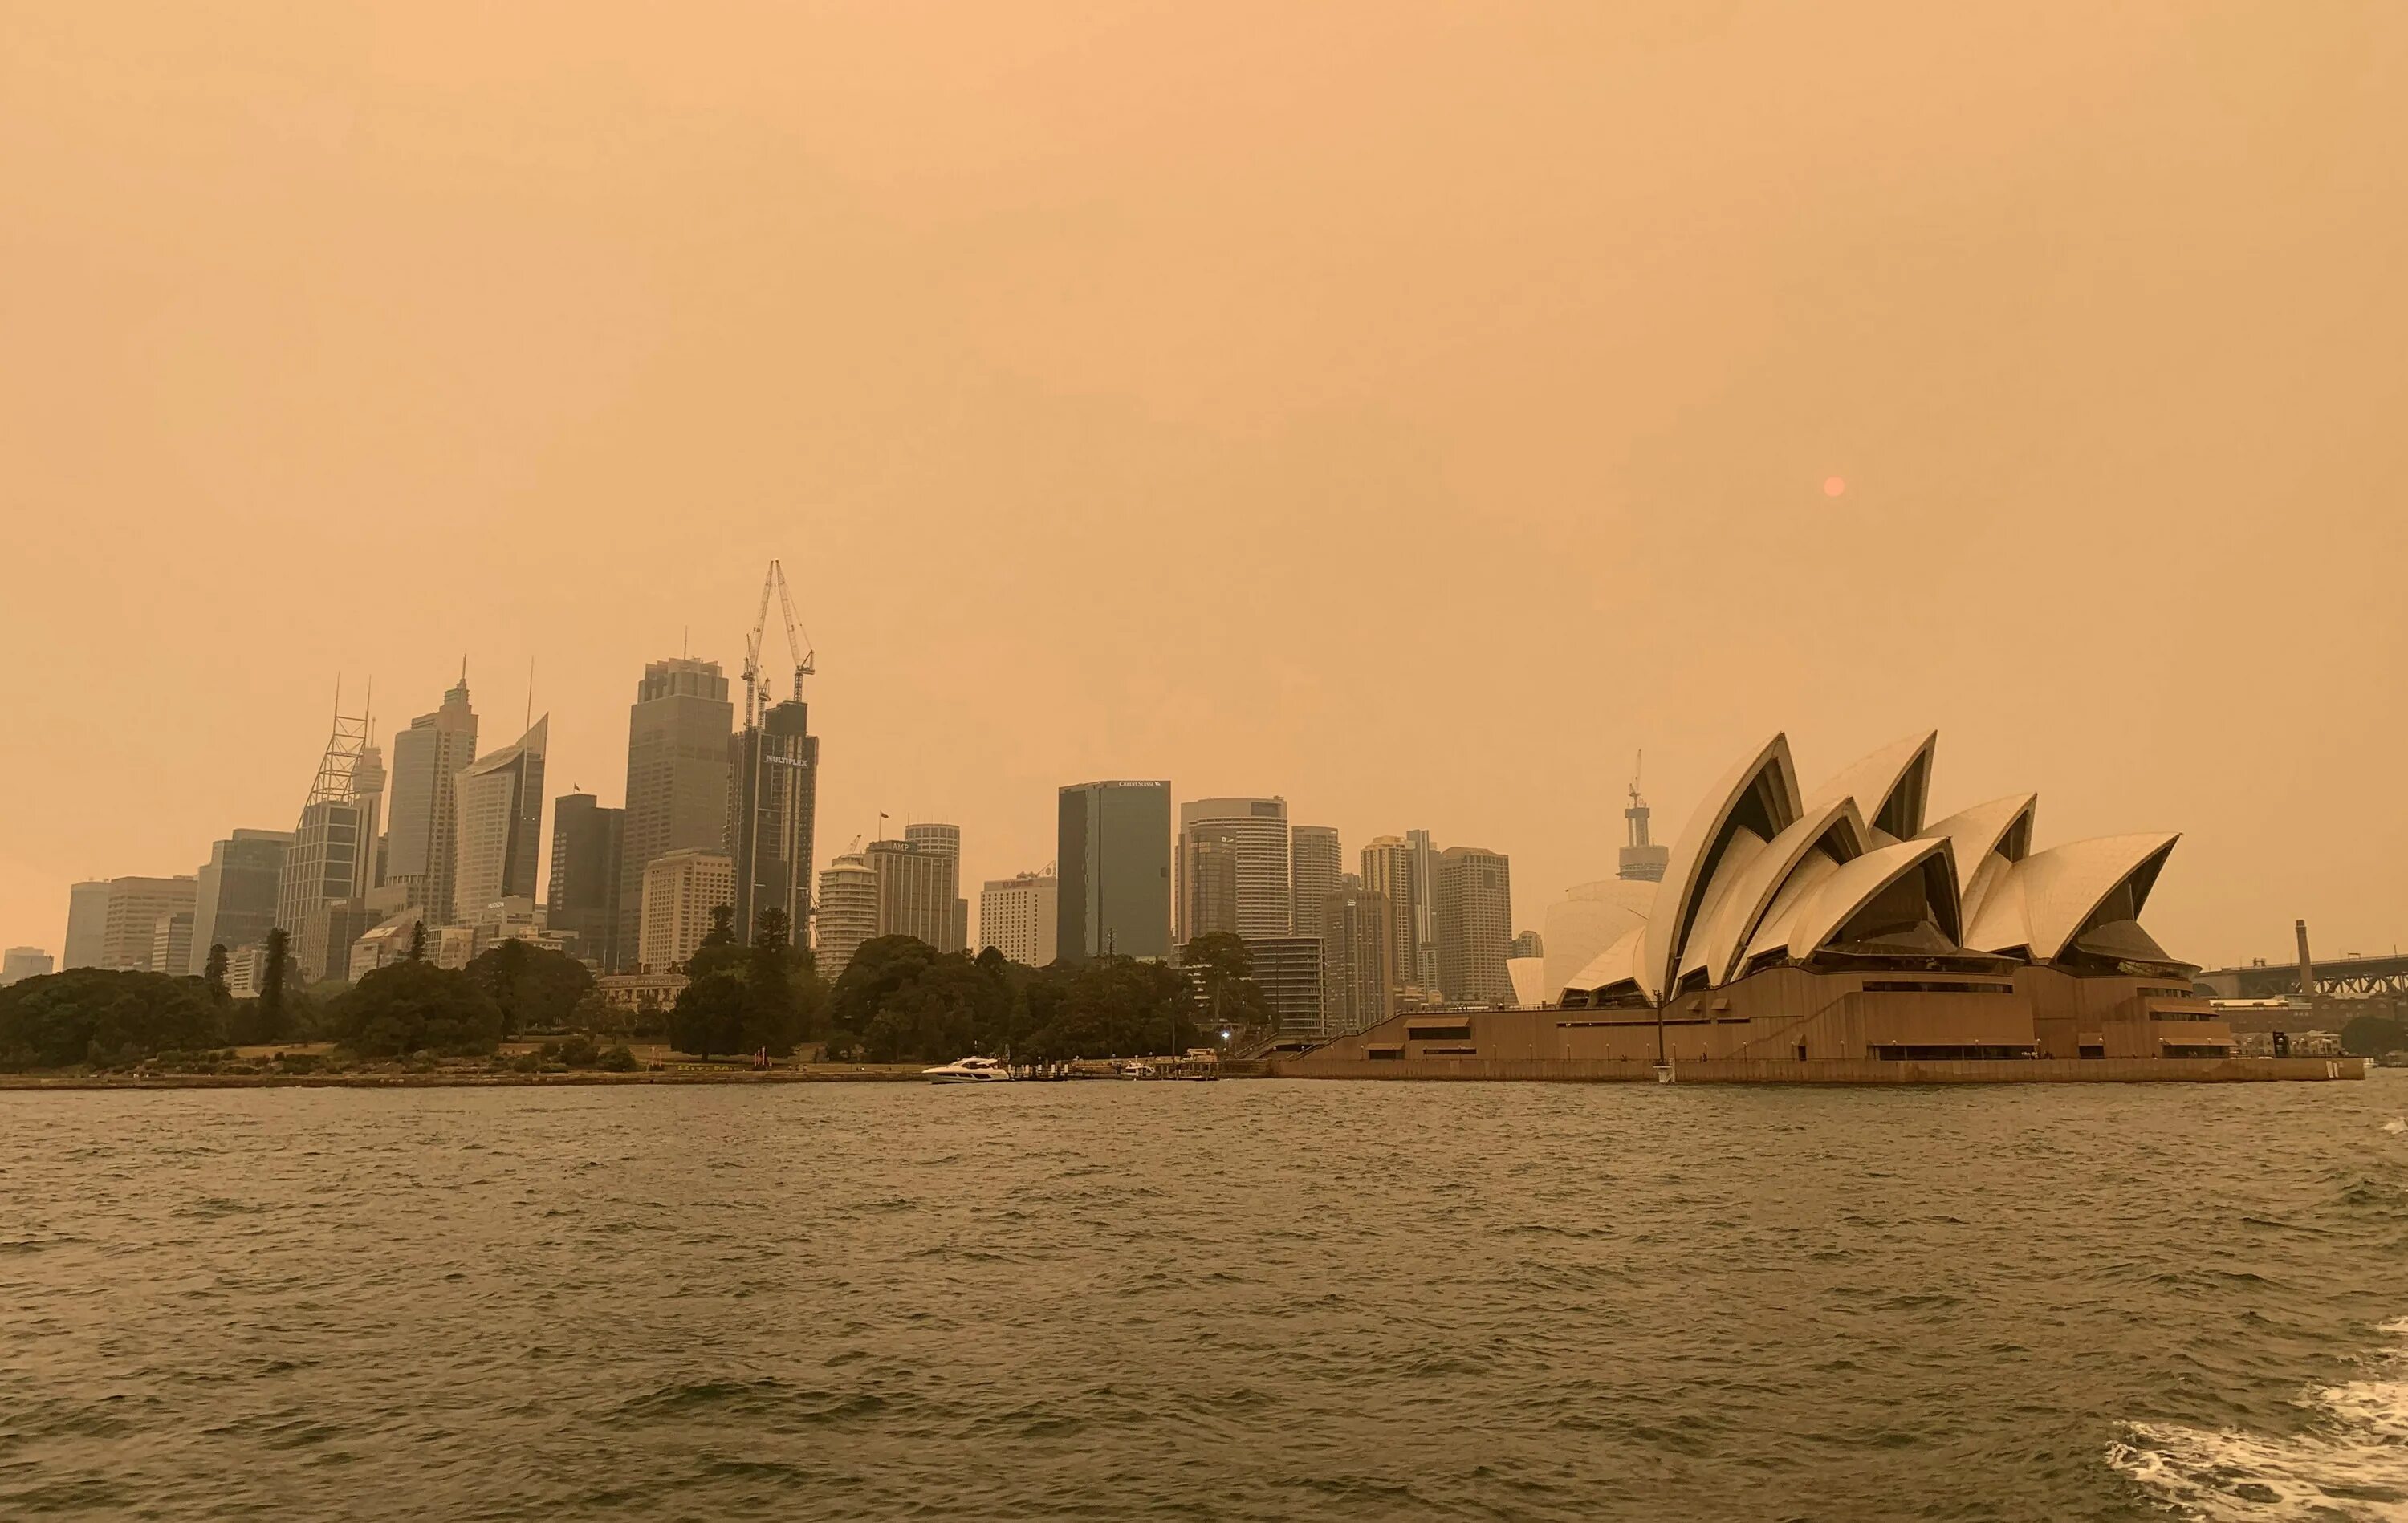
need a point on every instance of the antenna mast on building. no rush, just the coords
(344, 744)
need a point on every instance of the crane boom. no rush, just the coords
(794, 646)
(753, 693)
(756, 692)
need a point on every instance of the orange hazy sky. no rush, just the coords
(1413, 409)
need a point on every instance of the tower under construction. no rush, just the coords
(773, 798)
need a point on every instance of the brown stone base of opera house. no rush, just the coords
(1838, 1071)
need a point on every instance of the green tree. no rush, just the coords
(1105, 1007)
(273, 1019)
(412, 1007)
(880, 968)
(214, 973)
(418, 940)
(104, 1016)
(941, 1014)
(1227, 996)
(537, 988)
(720, 951)
(2372, 1036)
(772, 1013)
(708, 1017)
(597, 1015)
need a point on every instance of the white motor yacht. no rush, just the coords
(971, 1071)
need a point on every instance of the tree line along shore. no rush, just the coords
(520, 1012)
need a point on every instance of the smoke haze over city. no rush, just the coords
(1415, 411)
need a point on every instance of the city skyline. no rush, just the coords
(984, 861)
(1628, 382)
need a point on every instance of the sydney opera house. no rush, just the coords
(1844, 933)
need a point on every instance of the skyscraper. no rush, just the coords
(678, 776)
(1315, 864)
(681, 890)
(1356, 927)
(422, 842)
(772, 811)
(1424, 909)
(1475, 926)
(1018, 915)
(581, 898)
(233, 897)
(1392, 870)
(1257, 829)
(136, 907)
(87, 925)
(1115, 850)
(22, 963)
(500, 833)
(171, 943)
(1208, 882)
(846, 915)
(946, 840)
(916, 888)
(333, 857)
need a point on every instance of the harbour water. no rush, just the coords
(1260, 1301)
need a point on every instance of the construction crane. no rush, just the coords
(756, 692)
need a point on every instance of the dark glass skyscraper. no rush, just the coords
(772, 808)
(583, 897)
(1114, 857)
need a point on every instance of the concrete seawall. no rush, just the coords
(1846, 1071)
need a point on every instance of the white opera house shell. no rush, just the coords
(1844, 927)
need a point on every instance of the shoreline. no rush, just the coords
(22, 1083)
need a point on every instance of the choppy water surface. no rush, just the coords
(1243, 1300)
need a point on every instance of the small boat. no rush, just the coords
(969, 1071)
(1136, 1071)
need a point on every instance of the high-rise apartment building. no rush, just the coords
(581, 897)
(1257, 830)
(846, 914)
(18, 963)
(917, 885)
(1403, 871)
(772, 813)
(1426, 878)
(1287, 969)
(136, 907)
(1017, 917)
(680, 890)
(1113, 848)
(332, 860)
(1357, 927)
(678, 776)
(1475, 926)
(87, 924)
(171, 943)
(234, 896)
(1316, 863)
(1208, 882)
(422, 838)
(500, 833)
(946, 840)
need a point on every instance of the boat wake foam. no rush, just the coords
(2351, 1465)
